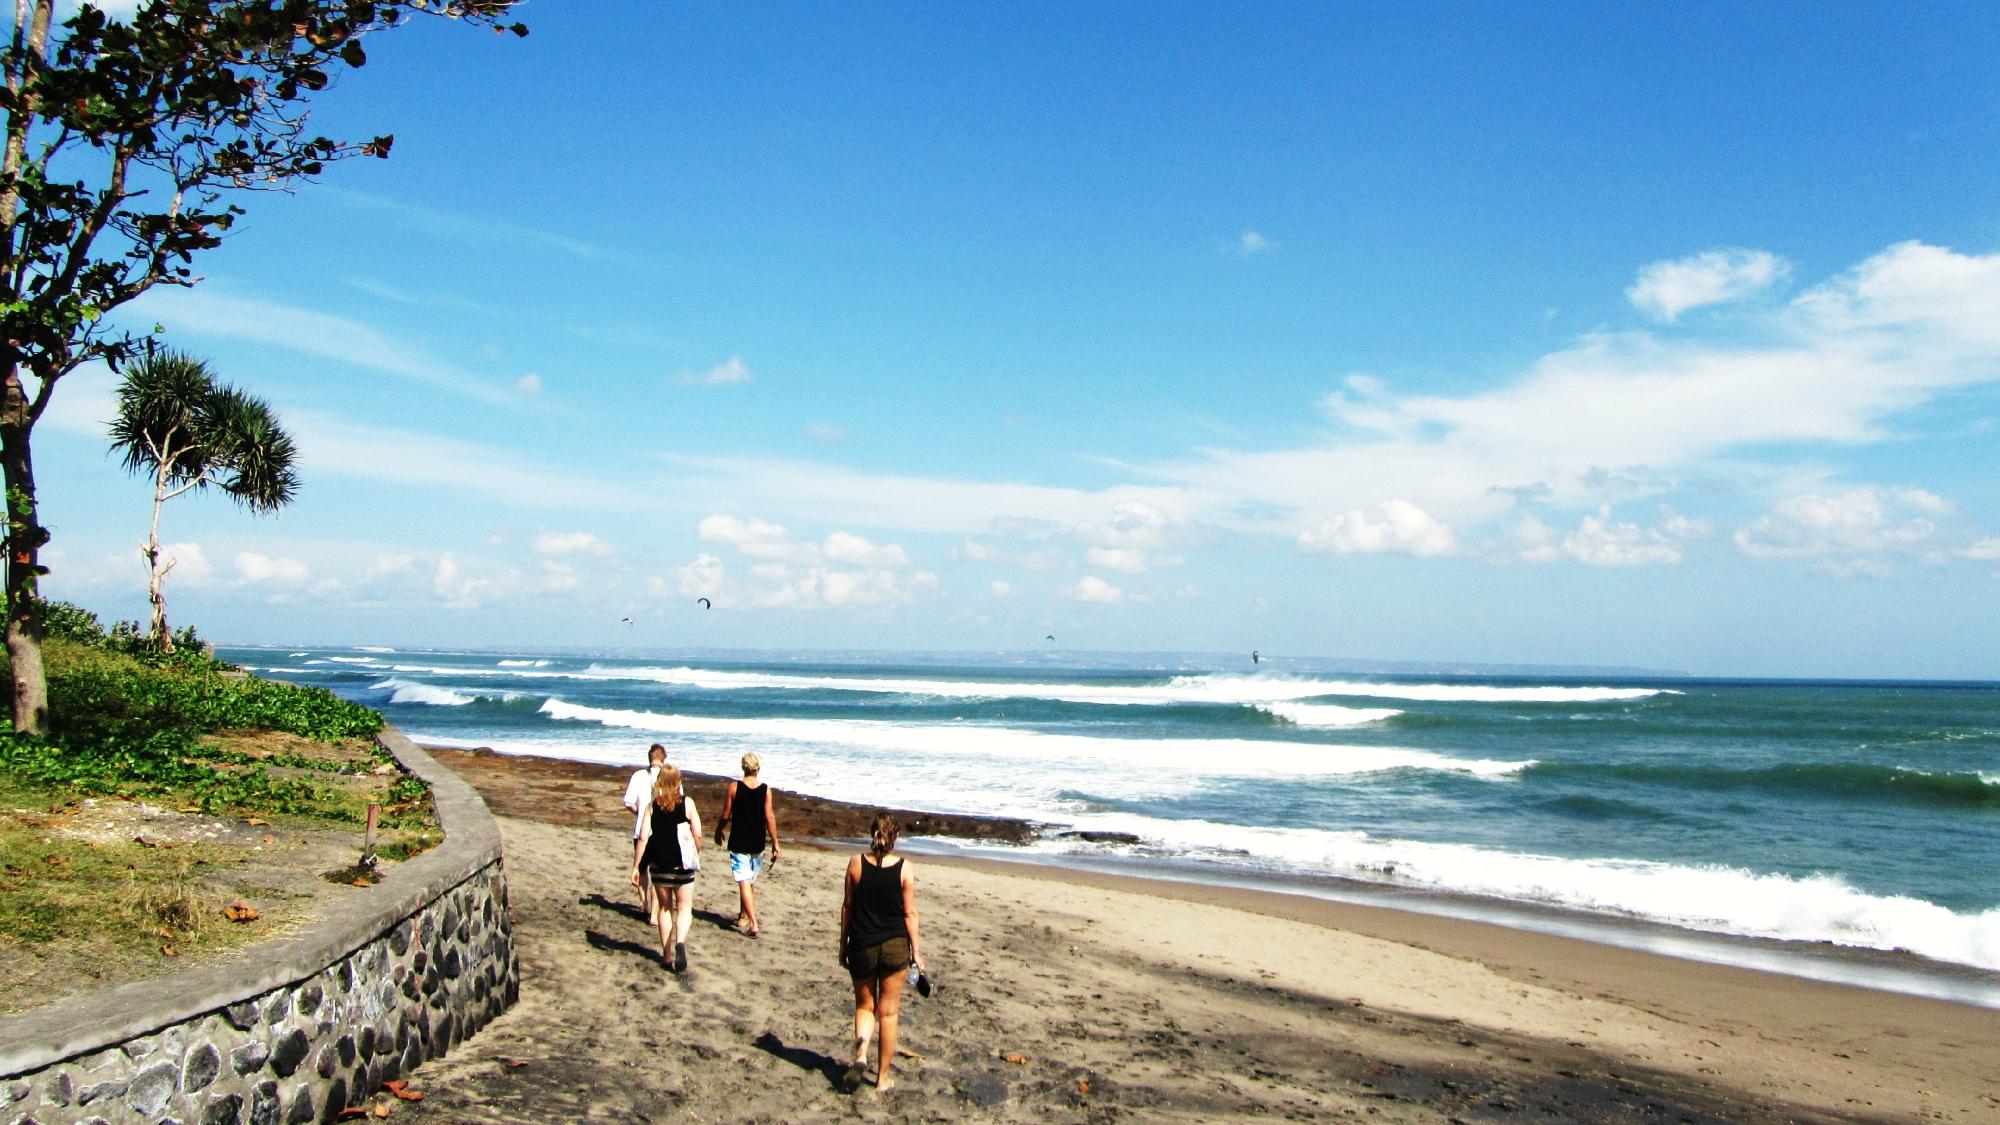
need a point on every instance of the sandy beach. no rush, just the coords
(1135, 1000)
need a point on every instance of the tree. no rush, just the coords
(189, 431)
(126, 143)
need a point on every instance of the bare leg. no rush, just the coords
(864, 1030)
(660, 921)
(864, 1018)
(748, 893)
(888, 1017)
(683, 908)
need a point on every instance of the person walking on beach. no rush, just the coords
(749, 821)
(639, 794)
(879, 939)
(667, 855)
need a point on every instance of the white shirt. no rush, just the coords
(638, 792)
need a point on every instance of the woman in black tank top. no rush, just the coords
(879, 938)
(666, 855)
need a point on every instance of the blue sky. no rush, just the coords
(1527, 334)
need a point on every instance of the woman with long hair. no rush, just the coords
(667, 854)
(879, 939)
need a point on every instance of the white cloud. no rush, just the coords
(451, 585)
(1600, 541)
(1001, 588)
(826, 432)
(971, 550)
(1849, 530)
(529, 384)
(570, 543)
(760, 539)
(254, 568)
(1403, 528)
(1985, 550)
(701, 578)
(846, 547)
(1127, 560)
(1091, 588)
(1254, 243)
(1665, 290)
(1834, 366)
(191, 565)
(213, 313)
(731, 370)
(330, 446)
(559, 576)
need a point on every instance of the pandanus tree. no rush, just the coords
(187, 431)
(127, 141)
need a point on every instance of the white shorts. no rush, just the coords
(745, 868)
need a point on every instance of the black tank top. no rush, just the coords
(877, 914)
(746, 819)
(663, 848)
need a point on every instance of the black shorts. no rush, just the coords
(879, 960)
(669, 876)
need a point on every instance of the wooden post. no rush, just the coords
(368, 840)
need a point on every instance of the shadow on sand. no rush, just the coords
(598, 939)
(628, 909)
(804, 1058)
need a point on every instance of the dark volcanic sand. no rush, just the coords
(1120, 1006)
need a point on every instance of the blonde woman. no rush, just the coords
(879, 939)
(749, 824)
(667, 854)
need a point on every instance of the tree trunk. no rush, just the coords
(25, 537)
(156, 575)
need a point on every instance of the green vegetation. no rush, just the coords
(170, 786)
(129, 720)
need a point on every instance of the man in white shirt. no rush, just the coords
(638, 795)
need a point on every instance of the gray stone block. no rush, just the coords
(99, 1091)
(59, 1089)
(264, 1104)
(241, 1016)
(289, 1051)
(301, 1110)
(227, 1110)
(250, 1056)
(152, 1087)
(199, 1068)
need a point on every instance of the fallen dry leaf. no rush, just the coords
(270, 839)
(359, 882)
(1083, 1087)
(382, 1109)
(401, 1088)
(510, 1064)
(384, 768)
(1017, 1060)
(240, 911)
(170, 951)
(350, 1113)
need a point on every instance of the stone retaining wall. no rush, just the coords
(295, 1029)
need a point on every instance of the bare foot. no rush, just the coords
(884, 1084)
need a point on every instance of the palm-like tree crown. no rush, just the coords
(175, 419)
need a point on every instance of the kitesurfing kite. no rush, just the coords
(705, 603)
(628, 621)
(1254, 658)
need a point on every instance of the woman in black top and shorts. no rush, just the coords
(667, 854)
(879, 939)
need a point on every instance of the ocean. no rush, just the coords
(1858, 816)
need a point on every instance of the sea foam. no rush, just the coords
(1205, 757)
(1713, 898)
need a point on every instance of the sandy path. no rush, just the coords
(1127, 1006)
